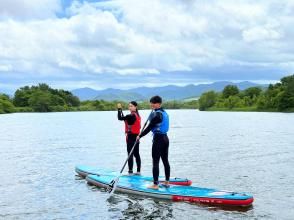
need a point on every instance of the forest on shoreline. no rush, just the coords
(277, 97)
(43, 98)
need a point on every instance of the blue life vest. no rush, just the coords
(162, 127)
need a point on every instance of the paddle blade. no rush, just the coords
(112, 186)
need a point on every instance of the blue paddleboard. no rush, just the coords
(138, 186)
(83, 171)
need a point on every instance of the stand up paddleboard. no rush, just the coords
(84, 171)
(138, 186)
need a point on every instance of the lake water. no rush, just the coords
(248, 152)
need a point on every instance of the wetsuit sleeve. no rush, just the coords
(129, 118)
(120, 114)
(155, 120)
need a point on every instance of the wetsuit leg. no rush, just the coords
(130, 143)
(164, 156)
(137, 156)
(160, 150)
(156, 158)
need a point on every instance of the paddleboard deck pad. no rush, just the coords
(84, 171)
(138, 186)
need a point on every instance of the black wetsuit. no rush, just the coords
(131, 139)
(159, 147)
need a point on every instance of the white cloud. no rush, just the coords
(5, 68)
(261, 34)
(28, 9)
(137, 71)
(130, 37)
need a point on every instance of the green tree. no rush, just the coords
(262, 102)
(230, 90)
(288, 81)
(252, 92)
(6, 105)
(248, 101)
(40, 101)
(207, 100)
(69, 98)
(286, 100)
(56, 100)
(43, 98)
(286, 97)
(272, 96)
(220, 103)
(22, 96)
(43, 87)
(99, 105)
(233, 102)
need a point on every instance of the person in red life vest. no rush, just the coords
(132, 130)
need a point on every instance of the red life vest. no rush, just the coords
(134, 128)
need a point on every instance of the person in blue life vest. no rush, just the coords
(132, 130)
(159, 125)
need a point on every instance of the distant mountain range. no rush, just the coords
(170, 92)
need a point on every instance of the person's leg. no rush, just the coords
(138, 158)
(155, 158)
(164, 156)
(130, 143)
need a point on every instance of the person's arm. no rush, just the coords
(120, 114)
(153, 122)
(129, 118)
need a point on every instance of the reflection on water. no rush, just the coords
(143, 208)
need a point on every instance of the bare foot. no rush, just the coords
(165, 184)
(153, 186)
(130, 173)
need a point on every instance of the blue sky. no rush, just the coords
(131, 43)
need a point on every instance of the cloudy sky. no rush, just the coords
(130, 43)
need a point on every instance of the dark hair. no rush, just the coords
(134, 103)
(156, 99)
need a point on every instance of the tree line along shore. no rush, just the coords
(43, 98)
(277, 97)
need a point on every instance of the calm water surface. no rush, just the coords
(247, 152)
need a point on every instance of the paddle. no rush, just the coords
(112, 186)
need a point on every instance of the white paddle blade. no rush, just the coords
(112, 186)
